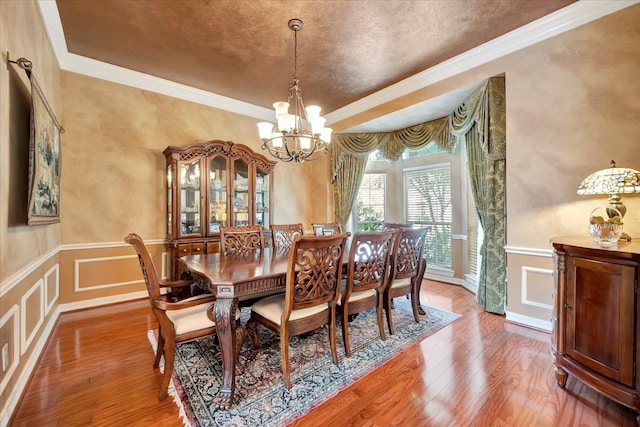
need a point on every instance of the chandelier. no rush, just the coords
(301, 135)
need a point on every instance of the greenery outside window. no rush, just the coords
(370, 202)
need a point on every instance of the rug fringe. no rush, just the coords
(172, 389)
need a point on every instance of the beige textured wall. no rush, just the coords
(114, 175)
(22, 35)
(581, 111)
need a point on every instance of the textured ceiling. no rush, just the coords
(243, 49)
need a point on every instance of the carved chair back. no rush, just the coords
(314, 273)
(282, 236)
(241, 241)
(407, 252)
(333, 227)
(146, 265)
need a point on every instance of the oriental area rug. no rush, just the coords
(261, 398)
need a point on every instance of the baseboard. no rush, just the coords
(531, 322)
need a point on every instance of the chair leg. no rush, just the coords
(284, 351)
(160, 349)
(415, 301)
(169, 356)
(380, 320)
(345, 330)
(388, 306)
(423, 267)
(252, 331)
(332, 335)
(240, 335)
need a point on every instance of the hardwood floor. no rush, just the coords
(96, 369)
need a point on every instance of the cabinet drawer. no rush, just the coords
(184, 249)
(197, 248)
(213, 247)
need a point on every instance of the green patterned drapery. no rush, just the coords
(481, 121)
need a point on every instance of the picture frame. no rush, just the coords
(44, 161)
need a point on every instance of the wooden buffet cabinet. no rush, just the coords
(595, 322)
(209, 185)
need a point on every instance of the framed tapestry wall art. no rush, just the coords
(44, 161)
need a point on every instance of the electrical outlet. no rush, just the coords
(5, 357)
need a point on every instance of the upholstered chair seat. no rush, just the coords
(272, 307)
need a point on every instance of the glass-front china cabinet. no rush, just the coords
(214, 184)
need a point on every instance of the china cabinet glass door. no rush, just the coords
(190, 197)
(217, 193)
(261, 205)
(241, 201)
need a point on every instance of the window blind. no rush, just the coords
(427, 201)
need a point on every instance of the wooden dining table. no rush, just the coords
(234, 279)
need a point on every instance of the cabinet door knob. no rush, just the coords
(568, 306)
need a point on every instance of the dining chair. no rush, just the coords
(406, 266)
(333, 227)
(423, 262)
(367, 273)
(181, 321)
(282, 236)
(241, 240)
(314, 274)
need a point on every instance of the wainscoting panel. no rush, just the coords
(533, 287)
(51, 288)
(92, 274)
(9, 333)
(31, 314)
(530, 287)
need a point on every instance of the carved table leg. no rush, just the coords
(224, 310)
(561, 377)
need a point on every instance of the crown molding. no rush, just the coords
(113, 73)
(567, 18)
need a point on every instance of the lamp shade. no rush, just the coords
(612, 180)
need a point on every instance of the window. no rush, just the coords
(430, 148)
(427, 201)
(370, 202)
(376, 156)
